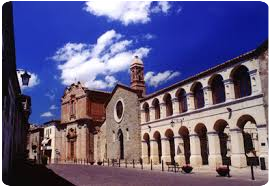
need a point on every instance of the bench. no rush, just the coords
(172, 166)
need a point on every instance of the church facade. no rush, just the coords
(216, 116)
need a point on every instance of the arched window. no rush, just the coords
(241, 81)
(146, 111)
(198, 95)
(218, 89)
(168, 103)
(182, 99)
(157, 109)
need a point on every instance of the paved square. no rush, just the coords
(104, 175)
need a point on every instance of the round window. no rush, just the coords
(119, 109)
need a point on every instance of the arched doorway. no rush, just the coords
(147, 140)
(169, 134)
(222, 128)
(157, 137)
(121, 143)
(184, 133)
(201, 130)
(247, 124)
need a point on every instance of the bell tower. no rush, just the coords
(137, 76)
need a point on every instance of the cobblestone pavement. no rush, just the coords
(104, 175)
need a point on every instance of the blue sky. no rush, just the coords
(63, 42)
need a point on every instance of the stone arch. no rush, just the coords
(168, 103)
(218, 89)
(156, 105)
(197, 90)
(184, 133)
(146, 138)
(248, 126)
(222, 128)
(170, 135)
(201, 131)
(146, 111)
(157, 138)
(241, 80)
(181, 95)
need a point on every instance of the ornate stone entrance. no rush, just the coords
(71, 139)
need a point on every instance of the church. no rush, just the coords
(216, 115)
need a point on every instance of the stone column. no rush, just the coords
(165, 144)
(190, 101)
(229, 89)
(208, 99)
(77, 145)
(144, 152)
(142, 116)
(83, 142)
(214, 158)
(154, 151)
(238, 157)
(152, 113)
(162, 110)
(263, 143)
(195, 149)
(254, 82)
(175, 104)
(179, 150)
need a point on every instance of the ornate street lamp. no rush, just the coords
(25, 78)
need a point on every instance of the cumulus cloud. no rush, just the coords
(33, 81)
(155, 80)
(46, 114)
(50, 94)
(127, 12)
(95, 65)
(53, 107)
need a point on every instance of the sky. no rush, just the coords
(60, 43)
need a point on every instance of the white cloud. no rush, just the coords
(46, 114)
(50, 94)
(162, 6)
(157, 79)
(53, 107)
(33, 81)
(127, 12)
(149, 36)
(95, 65)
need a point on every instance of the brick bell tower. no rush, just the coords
(137, 76)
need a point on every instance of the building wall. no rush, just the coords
(263, 72)
(251, 108)
(129, 125)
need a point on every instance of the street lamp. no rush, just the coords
(25, 78)
(172, 123)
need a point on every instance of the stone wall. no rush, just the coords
(263, 71)
(100, 151)
(129, 126)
